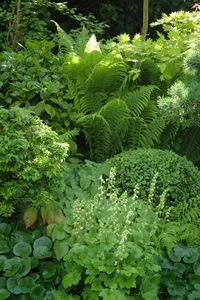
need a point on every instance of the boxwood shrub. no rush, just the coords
(172, 174)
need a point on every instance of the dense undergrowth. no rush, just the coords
(115, 216)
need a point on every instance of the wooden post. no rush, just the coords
(145, 24)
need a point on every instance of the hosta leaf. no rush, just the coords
(22, 249)
(30, 216)
(60, 248)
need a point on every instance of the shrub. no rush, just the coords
(28, 268)
(174, 175)
(110, 248)
(31, 157)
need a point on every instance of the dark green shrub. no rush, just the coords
(31, 157)
(28, 268)
(180, 276)
(173, 174)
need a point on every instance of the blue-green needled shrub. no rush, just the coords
(174, 175)
(31, 157)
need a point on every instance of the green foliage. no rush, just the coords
(112, 248)
(181, 273)
(111, 112)
(93, 89)
(182, 104)
(174, 175)
(21, 20)
(181, 25)
(82, 180)
(181, 108)
(31, 158)
(28, 268)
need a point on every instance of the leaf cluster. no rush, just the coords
(27, 266)
(111, 248)
(31, 158)
(181, 273)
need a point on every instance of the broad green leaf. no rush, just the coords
(2, 282)
(22, 249)
(191, 255)
(39, 108)
(58, 233)
(179, 268)
(26, 284)
(85, 182)
(12, 266)
(194, 295)
(13, 285)
(30, 216)
(42, 252)
(4, 293)
(176, 254)
(2, 262)
(43, 241)
(177, 289)
(5, 228)
(60, 248)
(48, 270)
(25, 266)
(70, 279)
(37, 290)
(149, 288)
(4, 246)
(34, 262)
(50, 110)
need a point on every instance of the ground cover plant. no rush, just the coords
(28, 267)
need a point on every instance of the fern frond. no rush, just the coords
(81, 41)
(152, 133)
(65, 41)
(169, 235)
(97, 132)
(138, 99)
(116, 113)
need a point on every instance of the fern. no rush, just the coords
(110, 117)
(97, 132)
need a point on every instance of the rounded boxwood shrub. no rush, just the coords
(172, 173)
(31, 158)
